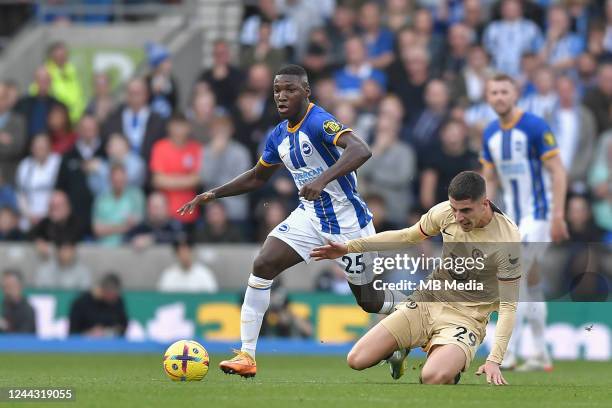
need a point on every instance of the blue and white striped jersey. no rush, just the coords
(307, 150)
(518, 151)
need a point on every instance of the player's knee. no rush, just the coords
(356, 360)
(264, 267)
(429, 376)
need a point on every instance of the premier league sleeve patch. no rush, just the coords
(331, 127)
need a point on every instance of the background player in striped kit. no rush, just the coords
(520, 152)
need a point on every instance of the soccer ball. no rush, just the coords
(186, 360)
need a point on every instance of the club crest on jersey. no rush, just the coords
(283, 228)
(306, 148)
(549, 139)
(331, 127)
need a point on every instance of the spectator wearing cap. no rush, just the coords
(65, 83)
(135, 120)
(118, 210)
(100, 312)
(17, 314)
(63, 270)
(187, 275)
(163, 89)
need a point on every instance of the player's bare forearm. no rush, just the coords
(558, 178)
(488, 172)
(248, 181)
(356, 152)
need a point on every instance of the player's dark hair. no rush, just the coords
(467, 185)
(293, 69)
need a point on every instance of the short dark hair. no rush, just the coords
(13, 272)
(293, 69)
(178, 117)
(182, 240)
(467, 185)
(110, 280)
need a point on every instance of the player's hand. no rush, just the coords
(312, 190)
(493, 373)
(332, 250)
(189, 207)
(558, 230)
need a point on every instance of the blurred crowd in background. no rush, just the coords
(407, 76)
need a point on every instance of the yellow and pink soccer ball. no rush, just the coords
(186, 360)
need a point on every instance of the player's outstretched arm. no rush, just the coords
(383, 241)
(558, 179)
(248, 181)
(356, 152)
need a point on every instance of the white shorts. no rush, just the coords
(298, 231)
(535, 236)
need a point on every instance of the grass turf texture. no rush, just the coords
(283, 381)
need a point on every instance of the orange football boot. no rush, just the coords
(242, 364)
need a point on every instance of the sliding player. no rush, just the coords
(448, 324)
(322, 156)
(520, 151)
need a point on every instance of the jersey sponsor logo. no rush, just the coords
(549, 139)
(510, 169)
(331, 127)
(306, 148)
(306, 177)
(283, 228)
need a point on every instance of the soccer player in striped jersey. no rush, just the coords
(322, 156)
(520, 152)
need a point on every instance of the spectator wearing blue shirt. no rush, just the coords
(378, 40)
(507, 40)
(561, 47)
(357, 69)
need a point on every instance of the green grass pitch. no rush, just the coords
(292, 381)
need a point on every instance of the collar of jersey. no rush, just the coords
(512, 123)
(293, 129)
